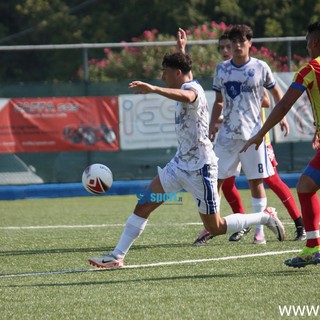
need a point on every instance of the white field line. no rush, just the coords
(103, 226)
(158, 264)
(62, 226)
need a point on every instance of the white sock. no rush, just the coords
(258, 205)
(313, 234)
(134, 227)
(237, 221)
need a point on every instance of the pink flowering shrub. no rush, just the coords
(145, 62)
(276, 63)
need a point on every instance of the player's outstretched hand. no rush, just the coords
(284, 125)
(212, 132)
(315, 142)
(181, 40)
(143, 86)
(257, 139)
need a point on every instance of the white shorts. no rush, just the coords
(202, 184)
(254, 163)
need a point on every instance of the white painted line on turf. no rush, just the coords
(62, 226)
(103, 226)
(92, 226)
(158, 264)
(253, 255)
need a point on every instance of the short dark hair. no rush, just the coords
(314, 28)
(224, 36)
(240, 32)
(178, 60)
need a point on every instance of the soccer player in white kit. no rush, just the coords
(239, 84)
(193, 168)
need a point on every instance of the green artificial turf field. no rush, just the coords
(44, 273)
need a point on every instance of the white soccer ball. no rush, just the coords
(97, 178)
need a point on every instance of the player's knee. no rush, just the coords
(306, 185)
(145, 209)
(217, 229)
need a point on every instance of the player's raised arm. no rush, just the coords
(181, 95)
(142, 86)
(181, 40)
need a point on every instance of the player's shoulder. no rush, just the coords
(224, 63)
(313, 64)
(222, 66)
(260, 64)
(257, 61)
(193, 85)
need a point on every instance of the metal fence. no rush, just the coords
(54, 167)
(86, 46)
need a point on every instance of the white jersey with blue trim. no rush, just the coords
(192, 128)
(242, 91)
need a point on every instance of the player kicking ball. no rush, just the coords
(193, 168)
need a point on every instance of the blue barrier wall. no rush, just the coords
(61, 190)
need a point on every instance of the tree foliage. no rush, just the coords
(89, 21)
(145, 62)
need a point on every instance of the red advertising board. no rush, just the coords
(59, 124)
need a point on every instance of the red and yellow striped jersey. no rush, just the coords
(308, 78)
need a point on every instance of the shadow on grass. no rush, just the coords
(291, 273)
(101, 249)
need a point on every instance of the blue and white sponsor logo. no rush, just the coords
(148, 196)
(233, 88)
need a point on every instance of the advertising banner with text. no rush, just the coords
(59, 124)
(147, 121)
